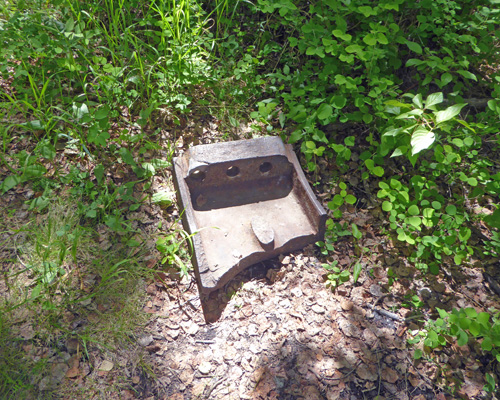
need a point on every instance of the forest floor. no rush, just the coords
(279, 332)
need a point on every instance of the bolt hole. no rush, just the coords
(233, 171)
(265, 167)
(198, 175)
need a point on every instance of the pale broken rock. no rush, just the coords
(255, 348)
(252, 330)
(136, 379)
(230, 353)
(190, 327)
(205, 367)
(145, 340)
(296, 292)
(318, 309)
(106, 366)
(198, 389)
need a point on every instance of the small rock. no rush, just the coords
(318, 309)
(58, 372)
(205, 367)
(145, 340)
(72, 345)
(106, 366)
(376, 290)
(190, 327)
(346, 304)
(136, 379)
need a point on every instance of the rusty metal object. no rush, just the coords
(245, 201)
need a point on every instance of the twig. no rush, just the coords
(386, 313)
(213, 386)
(205, 341)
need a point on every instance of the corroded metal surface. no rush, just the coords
(245, 201)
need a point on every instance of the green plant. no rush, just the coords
(462, 326)
(421, 121)
(335, 277)
(173, 250)
(339, 199)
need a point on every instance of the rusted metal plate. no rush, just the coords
(245, 201)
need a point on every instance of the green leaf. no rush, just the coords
(399, 151)
(472, 181)
(34, 171)
(370, 39)
(415, 221)
(415, 47)
(493, 220)
(470, 312)
(70, 24)
(10, 182)
(451, 209)
(393, 132)
(434, 98)
(356, 232)
(349, 141)
(127, 156)
(446, 78)
(463, 338)
(339, 101)
(381, 38)
(99, 173)
(436, 205)
(483, 318)
(467, 75)
(350, 199)
(102, 112)
(417, 100)
(475, 328)
(367, 11)
(325, 111)
(48, 151)
(356, 271)
(487, 344)
(413, 210)
(450, 113)
(378, 171)
(421, 139)
(159, 163)
(417, 355)
(387, 206)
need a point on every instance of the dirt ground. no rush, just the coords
(278, 332)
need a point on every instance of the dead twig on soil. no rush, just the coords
(210, 389)
(385, 313)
